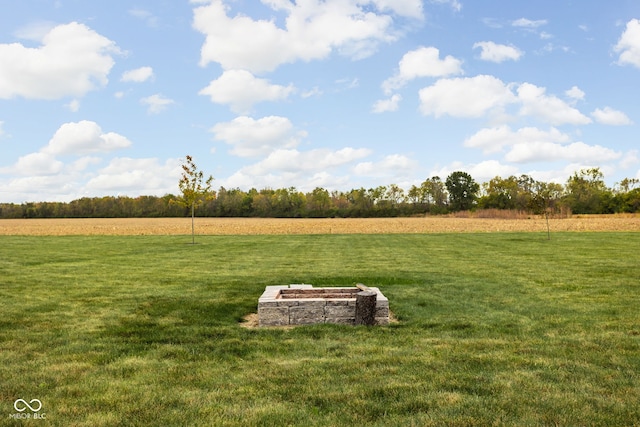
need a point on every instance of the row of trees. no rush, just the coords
(584, 193)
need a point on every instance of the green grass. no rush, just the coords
(494, 329)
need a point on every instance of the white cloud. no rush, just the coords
(84, 137)
(293, 160)
(393, 164)
(575, 93)
(492, 23)
(494, 52)
(138, 75)
(71, 61)
(127, 176)
(485, 171)
(308, 168)
(83, 163)
(305, 181)
(313, 30)
(531, 144)
(347, 83)
(548, 151)
(156, 103)
(478, 96)
(58, 187)
(251, 137)
(549, 108)
(559, 176)
(311, 92)
(408, 8)
(241, 90)
(37, 164)
(385, 105)
(455, 4)
(630, 159)
(73, 105)
(465, 97)
(552, 47)
(534, 27)
(76, 138)
(240, 42)
(35, 31)
(43, 178)
(528, 23)
(327, 181)
(609, 116)
(492, 140)
(150, 19)
(628, 45)
(422, 62)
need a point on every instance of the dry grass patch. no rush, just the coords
(251, 321)
(257, 226)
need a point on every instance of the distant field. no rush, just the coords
(258, 226)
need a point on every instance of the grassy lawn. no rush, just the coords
(494, 329)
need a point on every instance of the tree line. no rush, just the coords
(585, 192)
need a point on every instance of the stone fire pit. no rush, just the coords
(303, 305)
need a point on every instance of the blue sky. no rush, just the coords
(106, 98)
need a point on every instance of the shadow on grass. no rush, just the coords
(208, 328)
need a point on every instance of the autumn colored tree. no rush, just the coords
(318, 202)
(586, 192)
(499, 193)
(194, 191)
(436, 193)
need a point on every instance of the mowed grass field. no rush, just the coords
(504, 328)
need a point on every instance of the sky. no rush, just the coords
(107, 97)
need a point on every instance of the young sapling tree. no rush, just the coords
(543, 200)
(194, 191)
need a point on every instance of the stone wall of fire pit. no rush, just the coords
(303, 305)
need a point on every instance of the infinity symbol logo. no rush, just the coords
(25, 405)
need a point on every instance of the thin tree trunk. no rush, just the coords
(546, 215)
(193, 230)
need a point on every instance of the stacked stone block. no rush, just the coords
(278, 309)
